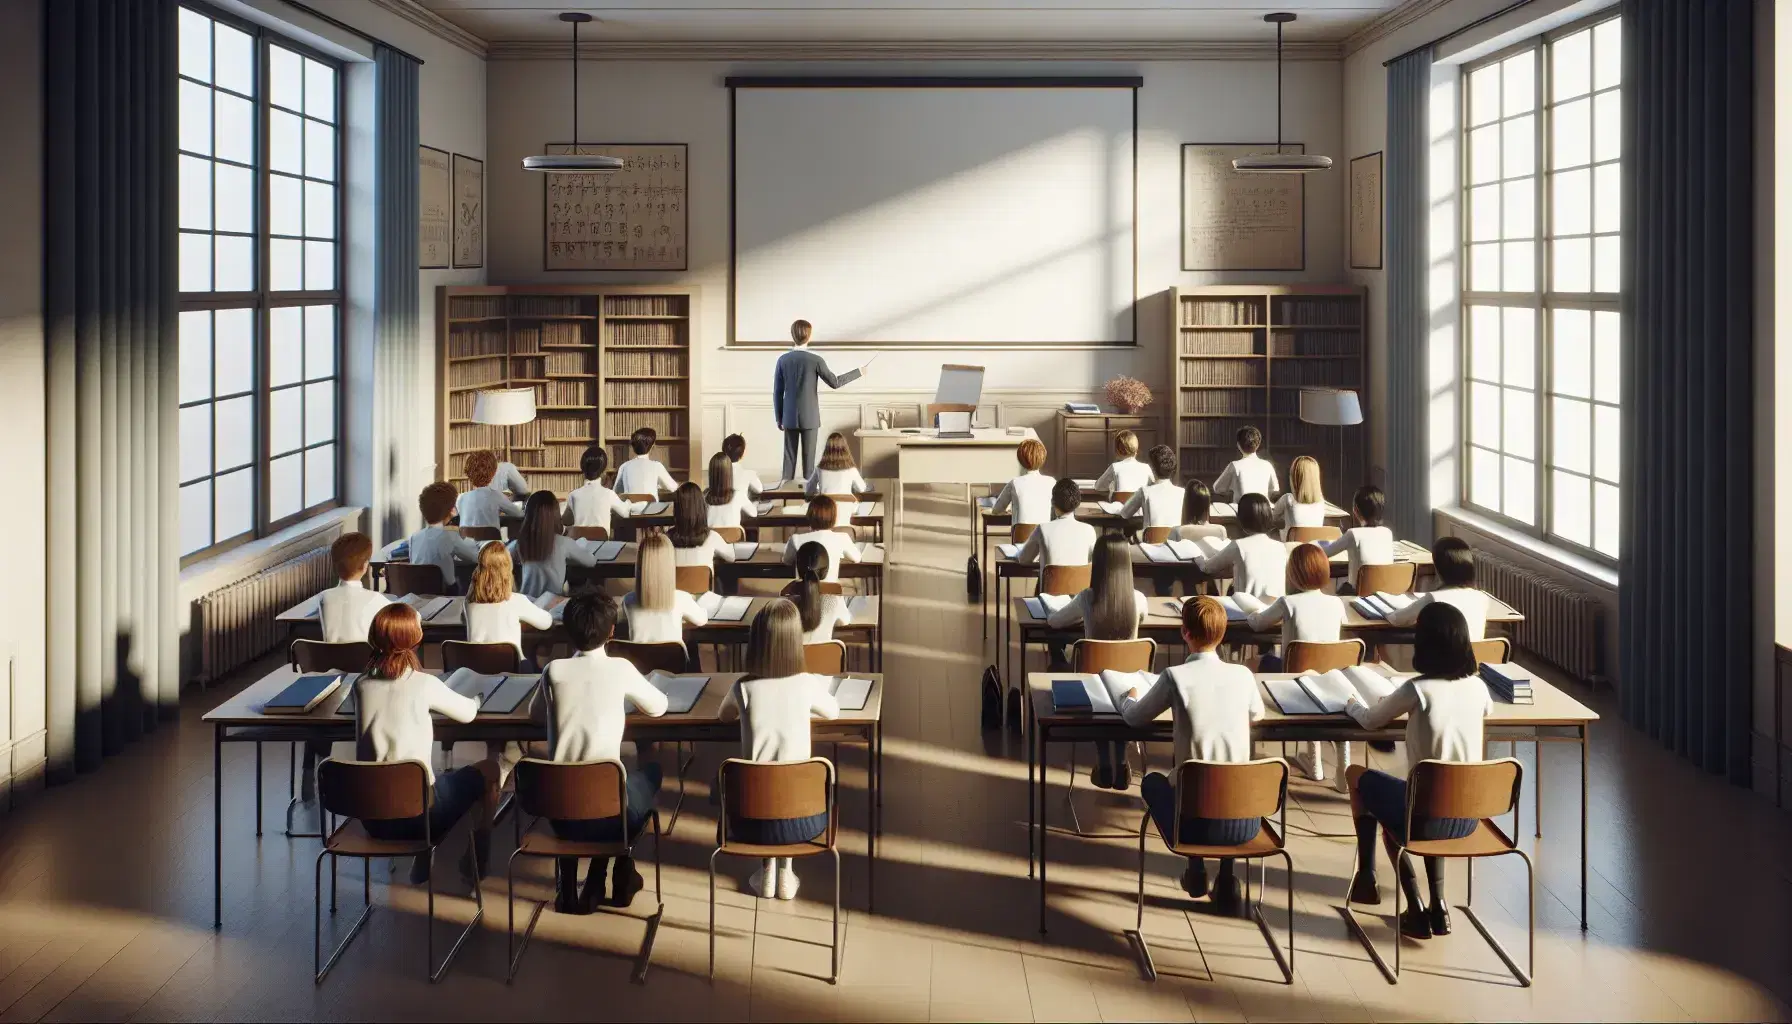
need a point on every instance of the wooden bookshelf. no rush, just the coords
(1241, 354)
(604, 360)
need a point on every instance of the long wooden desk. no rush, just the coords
(1555, 717)
(239, 720)
(790, 514)
(767, 563)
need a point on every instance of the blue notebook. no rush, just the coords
(302, 694)
(1070, 695)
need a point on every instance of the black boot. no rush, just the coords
(592, 895)
(1439, 914)
(1414, 923)
(1194, 878)
(1362, 887)
(1228, 894)
(566, 877)
(626, 882)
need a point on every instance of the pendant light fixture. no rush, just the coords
(1280, 162)
(573, 162)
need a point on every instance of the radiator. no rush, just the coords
(1561, 625)
(236, 621)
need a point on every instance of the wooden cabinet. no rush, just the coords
(1085, 444)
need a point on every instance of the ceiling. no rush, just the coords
(952, 21)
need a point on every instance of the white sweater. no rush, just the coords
(593, 504)
(1212, 704)
(662, 627)
(442, 548)
(1367, 545)
(775, 714)
(589, 693)
(346, 611)
(835, 481)
(1248, 475)
(1125, 476)
(1312, 615)
(746, 481)
(1160, 500)
(1077, 611)
(502, 623)
(1258, 565)
(1470, 602)
(835, 611)
(1443, 720)
(1028, 498)
(484, 506)
(392, 717)
(644, 475)
(839, 546)
(549, 575)
(1065, 540)
(731, 513)
(1189, 531)
(1291, 513)
(706, 553)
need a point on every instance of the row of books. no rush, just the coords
(1218, 433)
(1317, 343)
(531, 338)
(1239, 372)
(485, 371)
(1244, 312)
(468, 306)
(621, 424)
(635, 392)
(566, 392)
(1339, 373)
(550, 305)
(1313, 311)
(569, 361)
(1220, 403)
(476, 341)
(669, 335)
(645, 305)
(647, 364)
(565, 426)
(1221, 343)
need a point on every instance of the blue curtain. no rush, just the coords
(1408, 312)
(396, 344)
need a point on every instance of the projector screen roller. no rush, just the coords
(934, 215)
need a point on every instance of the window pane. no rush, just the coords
(286, 345)
(1570, 137)
(1484, 95)
(1571, 435)
(1518, 209)
(1520, 344)
(233, 506)
(1484, 478)
(233, 335)
(235, 57)
(1605, 356)
(320, 266)
(1606, 124)
(1570, 66)
(195, 516)
(1518, 147)
(195, 355)
(233, 441)
(1605, 443)
(1605, 263)
(195, 45)
(195, 193)
(1571, 512)
(195, 262)
(286, 201)
(1519, 431)
(1519, 490)
(1605, 519)
(1484, 342)
(1484, 154)
(1573, 269)
(195, 441)
(1520, 82)
(1605, 198)
(320, 90)
(1484, 267)
(320, 412)
(320, 151)
(1484, 414)
(286, 265)
(236, 199)
(285, 142)
(286, 420)
(235, 118)
(1520, 262)
(1571, 347)
(320, 210)
(195, 118)
(236, 263)
(1571, 202)
(1484, 214)
(286, 486)
(320, 341)
(320, 474)
(286, 78)
(1608, 54)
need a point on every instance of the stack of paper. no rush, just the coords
(1186, 550)
(745, 549)
(1041, 606)
(850, 693)
(1381, 604)
(1509, 683)
(724, 609)
(1222, 508)
(681, 691)
(1009, 550)
(1112, 508)
(1159, 553)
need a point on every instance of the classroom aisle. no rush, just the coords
(105, 893)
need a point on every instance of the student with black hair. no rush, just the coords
(1256, 561)
(643, 474)
(1367, 541)
(1160, 500)
(1454, 564)
(1066, 540)
(1197, 505)
(592, 504)
(820, 612)
(1248, 474)
(745, 480)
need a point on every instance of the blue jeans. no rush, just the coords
(455, 794)
(1159, 795)
(1383, 797)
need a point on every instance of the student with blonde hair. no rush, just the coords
(1110, 609)
(1305, 612)
(346, 610)
(495, 613)
(1304, 504)
(437, 545)
(822, 516)
(835, 473)
(1126, 474)
(657, 611)
(543, 550)
(1027, 497)
(724, 503)
(591, 503)
(483, 505)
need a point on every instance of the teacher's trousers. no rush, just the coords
(806, 437)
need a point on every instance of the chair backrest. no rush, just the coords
(1313, 656)
(827, 658)
(694, 579)
(588, 533)
(790, 589)
(846, 530)
(412, 578)
(935, 408)
(570, 790)
(637, 496)
(1496, 650)
(731, 534)
(373, 790)
(482, 533)
(1306, 534)
(1122, 496)
(1245, 789)
(1022, 532)
(1064, 579)
(317, 656)
(1155, 534)
(1118, 655)
(1463, 789)
(1392, 579)
(485, 659)
(667, 657)
(788, 789)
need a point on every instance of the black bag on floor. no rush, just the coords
(973, 578)
(992, 699)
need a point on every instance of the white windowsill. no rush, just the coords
(1579, 566)
(209, 574)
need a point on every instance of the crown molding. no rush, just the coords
(895, 50)
(429, 21)
(1390, 22)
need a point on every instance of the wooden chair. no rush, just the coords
(1020, 533)
(1479, 790)
(485, 659)
(1310, 534)
(482, 533)
(1313, 656)
(695, 580)
(1064, 579)
(548, 791)
(1122, 496)
(827, 658)
(1096, 656)
(791, 789)
(317, 656)
(1495, 650)
(588, 533)
(363, 791)
(411, 578)
(1208, 789)
(639, 496)
(1155, 534)
(1391, 579)
(667, 657)
(790, 589)
(731, 534)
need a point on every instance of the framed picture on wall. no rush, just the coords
(469, 211)
(1365, 212)
(435, 209)
(1233, 221)
(634, 219)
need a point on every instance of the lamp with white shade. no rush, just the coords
(1327, 407)
(505, 408)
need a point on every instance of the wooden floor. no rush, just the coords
(105, 894)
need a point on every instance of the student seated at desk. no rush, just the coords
(494, 613)
(591, 503)
(1160, 500)
(346, 610)
(1305, 612)
(1126, 474)
(509, 480)
(1110, 609)
(589, 694)
(657, 611)
(643, 474)
(1256, 561)
(775, 702)
(393, 702)
(1066, 540)
(724, 503)
(1248, 474)
(693, 542)
(1197, 504)
(435, 544)
(822, 515)
(820, 612)
(1304, 504)
(482, 505)
(1454, 564)
(543, 550)
(735, 447)
(1027, 498)
(1368, 542)
(1212, 704)
(1444, 708)
(835, 473)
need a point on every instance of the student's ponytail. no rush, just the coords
(812, 561)
(394, 635)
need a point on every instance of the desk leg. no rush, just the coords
(217, 826)
(1039, 738)
(1537, 787)
(1031, 821)
(980, 528)
(873, 754)
(1583, 827)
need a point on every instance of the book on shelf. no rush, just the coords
(1202, 312)
(644, 305)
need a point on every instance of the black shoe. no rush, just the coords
(1414, 924)
(1101, 778)
(1194, 878)
(591, 894)
(420, 869)
(1439, 915)
(1122, 776)
(626, 882)
(1228, 895)
(1364, 890)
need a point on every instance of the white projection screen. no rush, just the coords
(934, 212)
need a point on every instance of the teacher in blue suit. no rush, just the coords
(794, 401)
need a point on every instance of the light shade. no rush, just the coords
(504, 408)
(1329, 408)
(577, 163)
(1282, 163)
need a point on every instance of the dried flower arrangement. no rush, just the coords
(1128, 394)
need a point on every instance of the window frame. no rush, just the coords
(1542, 300)
(262, 299)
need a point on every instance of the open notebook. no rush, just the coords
(1381, 604)
(1327, 693)
(1171, 551)
(1112, 508)
(724, 609)
(1239, 606)
(681, 691)
(427, 607)
(859, 606)
(649, 508)
(1091, 694)
(554, 603)
(850, 692)
(498, 694)
(1222, 508)
(1041, 606)
(1009, 550)
(745, 549)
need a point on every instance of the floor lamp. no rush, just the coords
(505, 408)
(1329, 408)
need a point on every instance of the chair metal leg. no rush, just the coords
(258, 789)
(472, 926)
(1468, 911)
(659, 908)
(1275, 950)
(295, 797)
(834, 975)
(712, 914)
(513, 951)
(1137, 934)
(1356, 926)
(683, 765)
(1076, 823)
(317, 898)
(1537, 787)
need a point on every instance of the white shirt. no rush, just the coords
(835, 611)
(589, 693)
(1443, 717)
(835, 481)
(643, 475)
(346, 611)
(1127, 475)
(1078, 611)
(839, 546)
(1030, 497)
(508, 479)
(662, 627)
(441, 548)
(731, 513)
(1212, 705)
(593, 504)
(1249, 475)
(746, 481)
(1470, 602)
(502, 623)
(1312, 615)
(775, 714)
(1189, 531)
(392, 717)
(1367, 545)
(1291, 513)
(1065, 540)
(706, 553)
(549, 576)
(1160, 500)
(1258, 565)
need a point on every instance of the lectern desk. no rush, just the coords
(921, 456)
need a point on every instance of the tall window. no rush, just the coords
(1540, 286)
(260, 281)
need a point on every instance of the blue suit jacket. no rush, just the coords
(794, 402)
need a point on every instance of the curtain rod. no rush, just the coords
(1446, 37)
(321, 16)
